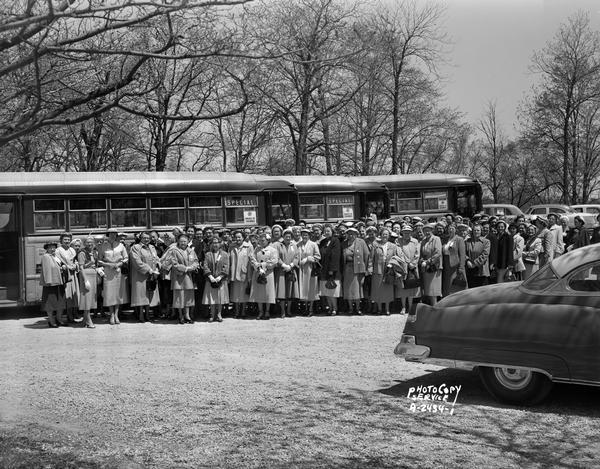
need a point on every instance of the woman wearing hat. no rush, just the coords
(88, 280)
(581, 238)
(477, 251)
(355, 256)
(547, 241)
(431, 265)
(216, 272)
(308, 260)
(182, 263)
(68, 256)
(596, 232)
(112, 255)
(504, 251)
(330, 276)
(144, 274)
(518, 247)
(286, 275)
(380, 266)
(53, 290)
(409, 249)
(240, 273)
(264, 260)
(453, 263)
(531, 252)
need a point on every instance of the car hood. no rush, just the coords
(508, 292)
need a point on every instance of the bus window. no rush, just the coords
(466, 201)
(241, 209)
(128, 212)
(312, 207)
(49, 214)
(87, 213)
(206, 210)
(435, 201)
(340, 207)
(409, 202)
(167, 211)
(281, 206)
(7, 216)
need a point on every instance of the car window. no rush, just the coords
(542, 279)
(558, 210)
(499, 211)
(538, 211)
(578, 209)
(587, 278)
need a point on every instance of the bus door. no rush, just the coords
(9, 250)
(377, 203)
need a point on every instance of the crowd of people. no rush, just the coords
(294, 268)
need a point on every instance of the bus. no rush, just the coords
(36, 207)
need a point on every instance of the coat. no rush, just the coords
(504, 256)
(239, 262)
(182, 263)
(478, 252)
(51, 274)
(143, 261)
(331, 252)
(547, 238)
(431, 253)
(263, 259)
(456, 253)
(308, 257)
(287, 260)
(361, 255)
(217, 265)
(377, 259)
(518, 246)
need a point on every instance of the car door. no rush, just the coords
(579, 294)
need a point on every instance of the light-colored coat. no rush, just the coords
(182, 263)
(143, 261)
(51, 274)
(239, 262)
(308, 285)
(265, 259)
(518, 246)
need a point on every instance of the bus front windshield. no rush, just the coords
(466, 201)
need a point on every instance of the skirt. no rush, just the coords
(72, 292)
(87, 297)
(183, 298)
(432, 283)
(237, 292)
(215, 296)
(352, 283)
(331, 292)
(113, 288)
(53, 298)
(285, 289)
(381, 292)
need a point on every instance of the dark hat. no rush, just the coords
(52, 243)
(579, 219)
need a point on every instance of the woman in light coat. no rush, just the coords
(453, 262)
(431, 265)
(88, 281)
(308, 258)
(410, 249)
(183, 263)
(240, 273)
(382, 291)
(518, 247)
(68, 256)
(112, 255)
(531, 252)
(263, 260)
(355, 258)
(216, 271)
(53, 289)
(143, 260)
(286, 273)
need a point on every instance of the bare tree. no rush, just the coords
(493, 155)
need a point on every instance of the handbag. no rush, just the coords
(431, 267)
(459, 281)
(529, 259)
(216, 284)
(509, 276)
(248, 289)
(330, 284)
(411, 280)
(316, 269)
(261, 278)
(389, 276)
(125, 269)
(290, 276)
(151, 283)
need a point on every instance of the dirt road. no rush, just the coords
(299, 392)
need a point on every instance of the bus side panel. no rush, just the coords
(34, 249)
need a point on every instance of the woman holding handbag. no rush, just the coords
(453, 263)
(68, 256)
(383, 274)
(408, 289)
(88, 280)
(531, 252)
(477, 266)
(182, 262)
(518, 247)
(308, 260)
(263, 260)
(285, 274)
(330, 277)
(430, 263)
(144, 274)
(112, 256)
(240, 273)
(216, 271)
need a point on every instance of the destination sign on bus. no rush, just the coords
(340, 200)
(246, 201)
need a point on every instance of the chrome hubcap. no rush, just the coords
(513, 378)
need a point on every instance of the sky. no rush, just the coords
(493, 43)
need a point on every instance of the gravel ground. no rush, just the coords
(299, 392)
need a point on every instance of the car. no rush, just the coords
(521, 337)
(546, 209)
(508, 211)
(587, 208)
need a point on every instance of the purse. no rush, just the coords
(509, 276)
(330, 284)
(389, 276)
(151, 283)
(316, 269)
(216, 284)
(431, 267)
(459, 281)
(411, 280)
(261, 279)
(290, 276)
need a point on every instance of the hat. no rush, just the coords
(371, 228)
(317, 225)
(352, 230)
(389, 220)
(359, 224)
(406, 227)
(286, 231)
(348, 224)
(416, 219)
(539, 219)
(47, 245)
(462, 226)
(501, 221)
(419, 224)
(393, 234)
(112, 230)
(305, 230)
(441, 223)
(579, 219)
(120, 233)
(477, 216)
(290, 221)
(430, 226)
(552, 214)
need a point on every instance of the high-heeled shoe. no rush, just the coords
(52, 326)
(181, 321)
(117, 320)
(111, 321)
(219, 318)
(211, 319)
(90, 326)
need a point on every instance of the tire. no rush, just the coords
(513, 386)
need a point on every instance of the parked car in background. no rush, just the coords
(558, 209)
(587, 208)
(508, 211)
(520, 336)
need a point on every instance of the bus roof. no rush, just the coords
(141, 182)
